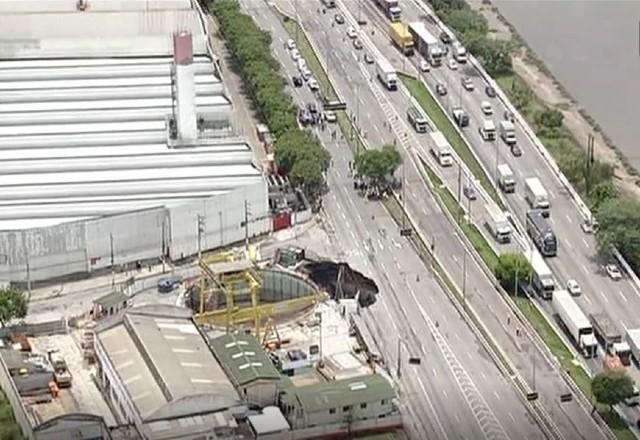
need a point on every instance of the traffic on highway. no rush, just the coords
(366, 49)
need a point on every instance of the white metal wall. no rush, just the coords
(85, 246)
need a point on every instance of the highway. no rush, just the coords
(573, 419)
(577, 255)
(457, 391)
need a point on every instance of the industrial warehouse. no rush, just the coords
(118, 146)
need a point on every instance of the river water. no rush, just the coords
(593, 49)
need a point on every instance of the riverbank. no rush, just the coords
(528, 68)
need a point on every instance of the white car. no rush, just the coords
(302, 64)
(424, 66)
(306, 74)
(295, 55)
(291, 44)
(574, 288)
(351, 32)
(486, 107)
(330, 116)
(453, 65)
(467, 83)
(313, 84)
(613, 272)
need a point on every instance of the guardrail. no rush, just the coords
(584, 210)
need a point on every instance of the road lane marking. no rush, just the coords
(569, 218)
(585, 269)
(586, 243)
(433, 410)
(497, 395)
(435, 374)
(587, 299)
(622, 295)
(484, 376)
(623, 326)
(603, 297)
(352, 234)
(444, 393)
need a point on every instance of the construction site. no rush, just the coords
(276, 336)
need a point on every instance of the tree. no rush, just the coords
(466, 20)
(512, 265)
(612, 387)
(549, 118)
(13, 304)
(619, 220)
(601, 192)
(377, 165)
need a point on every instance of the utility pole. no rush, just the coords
(399, 357)
(164, 252)
(28, 267)
(295, 6)
(515, 282)
(464, 277)
(590, 161)
(113, 270)
(201, 230)
(246, 225)
(221, 229)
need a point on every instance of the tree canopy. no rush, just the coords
(377, 165)
(512, 265)
(13, 304)
(619, 220)
(612, 387)
(296, 151)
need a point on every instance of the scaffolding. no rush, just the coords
(224, 277)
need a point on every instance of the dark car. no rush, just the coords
(305, 117)
(441, 89)
(445, 38)
(166, 285)
(509, 116)
(339, 19)
(368, 58)
(297, 81)
(490, 91)
(516, 151)
(312, 108)
(470, 192)
(362, 21)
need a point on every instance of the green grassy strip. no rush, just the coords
(431, 107)
(9, 428)
(306, 50)
(528, 309)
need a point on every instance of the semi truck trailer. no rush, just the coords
(536, 195)
(633, 339)
(576, 323)
(498, 224)
(402, 38)
(386, 73)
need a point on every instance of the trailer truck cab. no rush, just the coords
(488, 130)
(440, 149)
(506, 178)
(536, 195)
(508, 132)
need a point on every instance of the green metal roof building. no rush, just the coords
(348, 400)
(248, 367)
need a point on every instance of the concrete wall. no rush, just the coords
(19, 410)
(86, 246)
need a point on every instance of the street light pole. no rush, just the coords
(464, 277)
(399, 357)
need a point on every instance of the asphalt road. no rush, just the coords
(457, 392)
(573, 420)
(577, 254)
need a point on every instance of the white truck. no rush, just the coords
(440, 149)
(508, 132)
(459, 52)
(633, 339)
(426, 44)
(386, 73)
(506, 178)
(487, 130)
(542, 277)
(536, 195)
(576, 323)
(498, 224)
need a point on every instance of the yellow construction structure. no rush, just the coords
(238, 281)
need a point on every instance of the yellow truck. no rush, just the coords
(401, 37)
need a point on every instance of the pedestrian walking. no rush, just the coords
(518, 331)
(508, 320)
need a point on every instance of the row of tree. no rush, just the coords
(377, 166)
(297, 153)
(472, 30)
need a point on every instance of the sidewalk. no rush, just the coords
(246, 117)
(93, 284)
